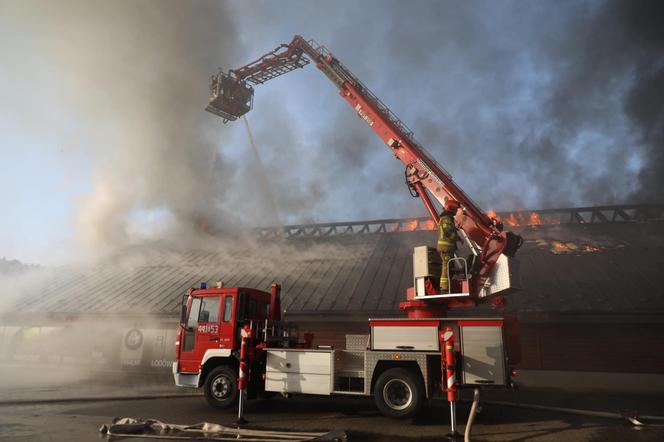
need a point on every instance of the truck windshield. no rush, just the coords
(209, 310)
(193, 313)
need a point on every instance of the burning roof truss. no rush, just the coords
(521, 218)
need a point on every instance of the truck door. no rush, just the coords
(188, 362)
(201, 332)
(227, 324)
(207, 332)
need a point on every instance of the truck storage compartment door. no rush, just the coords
(404, 335)
(299, 371)
(483, 353)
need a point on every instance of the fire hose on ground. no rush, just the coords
(154, 429)
(632, 418)
(471, 416)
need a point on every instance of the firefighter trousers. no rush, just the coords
(446, 253)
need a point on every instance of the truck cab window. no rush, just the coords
(209, 310)
(193, 313)
(228, 308)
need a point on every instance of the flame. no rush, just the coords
(408, 226)
(413, 225)
(428, 225)
(558, 246)
(534, 219)
(516, 219)
(511, 220)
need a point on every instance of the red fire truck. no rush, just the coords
(401, 362)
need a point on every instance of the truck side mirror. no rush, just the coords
(183, 314)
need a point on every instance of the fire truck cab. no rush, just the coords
(208, 337)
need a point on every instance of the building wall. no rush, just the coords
(612, 347)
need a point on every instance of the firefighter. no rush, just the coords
(447, 239)
(213, 85)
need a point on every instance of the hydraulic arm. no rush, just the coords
(232, 97)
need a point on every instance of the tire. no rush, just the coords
(399, 393)
(221, 387)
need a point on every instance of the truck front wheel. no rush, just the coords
(221, 387)
(399, 393)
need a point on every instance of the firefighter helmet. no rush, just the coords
(451, 205)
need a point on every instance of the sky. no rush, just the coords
(105, 142)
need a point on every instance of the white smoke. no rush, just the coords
(130, 80)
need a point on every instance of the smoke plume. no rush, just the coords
(528, 105)
(132, 75)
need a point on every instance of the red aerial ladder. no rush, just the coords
(490, 271)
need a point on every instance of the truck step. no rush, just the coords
(349, 393)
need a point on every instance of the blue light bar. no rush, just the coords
(203, 285)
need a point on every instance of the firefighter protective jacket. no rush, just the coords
(447, 233)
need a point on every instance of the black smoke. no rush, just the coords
(527, 104)
(645, 102)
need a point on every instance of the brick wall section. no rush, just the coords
(593, 347)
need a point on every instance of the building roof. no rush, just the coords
(602, 266)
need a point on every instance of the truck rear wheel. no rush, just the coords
(399, 393)
(221, 387)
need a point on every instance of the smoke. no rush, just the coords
(527, 105)
(609, 65)
(82, 357)
(645, 102)
(166, 154)
(131, 77)
(73, 320)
